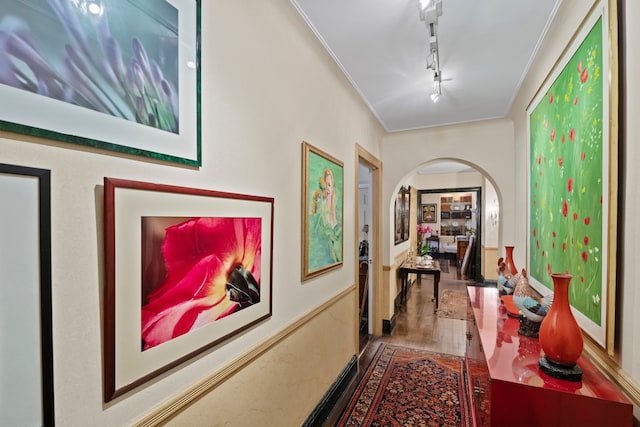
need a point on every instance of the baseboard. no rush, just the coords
(388, 325)
(331, 397)
(397, 302)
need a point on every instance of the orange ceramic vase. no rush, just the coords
(560, 336)
(508, 262)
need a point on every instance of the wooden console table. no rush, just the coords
(410, 266)
(506, 388)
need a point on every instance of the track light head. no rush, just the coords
(430, 10)
(437, 88)
(425, 4)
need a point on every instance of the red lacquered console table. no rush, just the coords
(506, 388)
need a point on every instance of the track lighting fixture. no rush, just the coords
(430, 10)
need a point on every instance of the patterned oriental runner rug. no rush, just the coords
(409, 387)
(453, 304)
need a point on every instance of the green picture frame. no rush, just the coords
(572, 179)
(122, 75)
(322, 212)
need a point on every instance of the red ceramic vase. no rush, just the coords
(508, 262)
(560, 336)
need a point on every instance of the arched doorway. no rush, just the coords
(479, 216)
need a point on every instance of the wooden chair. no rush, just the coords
(467, 257)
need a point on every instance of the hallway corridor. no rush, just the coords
(417, 326)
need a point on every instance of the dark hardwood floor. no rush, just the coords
(417, 326)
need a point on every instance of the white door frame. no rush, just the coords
(375, 247)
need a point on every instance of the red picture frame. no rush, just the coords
(186, 269)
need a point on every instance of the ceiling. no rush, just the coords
(485, 48)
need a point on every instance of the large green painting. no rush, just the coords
(568, 189)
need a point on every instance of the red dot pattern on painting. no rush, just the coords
(555, 163)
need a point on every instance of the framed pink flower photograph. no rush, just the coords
(186, 269)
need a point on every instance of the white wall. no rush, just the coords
(491, 230)
(267, 85)
(448, 180)
(486, 146)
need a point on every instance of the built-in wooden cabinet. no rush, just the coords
(506, 388)
(455, 215)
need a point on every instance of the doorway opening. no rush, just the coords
(455, 216)
(364, 255)
(369, 255)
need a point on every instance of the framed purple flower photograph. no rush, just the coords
(118, 75)
(186, 269)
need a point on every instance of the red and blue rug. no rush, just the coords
(409, 387)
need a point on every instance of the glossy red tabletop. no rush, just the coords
(514, 358)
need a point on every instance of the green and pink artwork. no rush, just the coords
(568, 183)
(322, 212)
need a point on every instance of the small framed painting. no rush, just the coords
(429, 213)
(401, 215)
(322, 199)
(117, 75)
(186, 269)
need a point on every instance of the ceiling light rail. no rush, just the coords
(430, 10)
